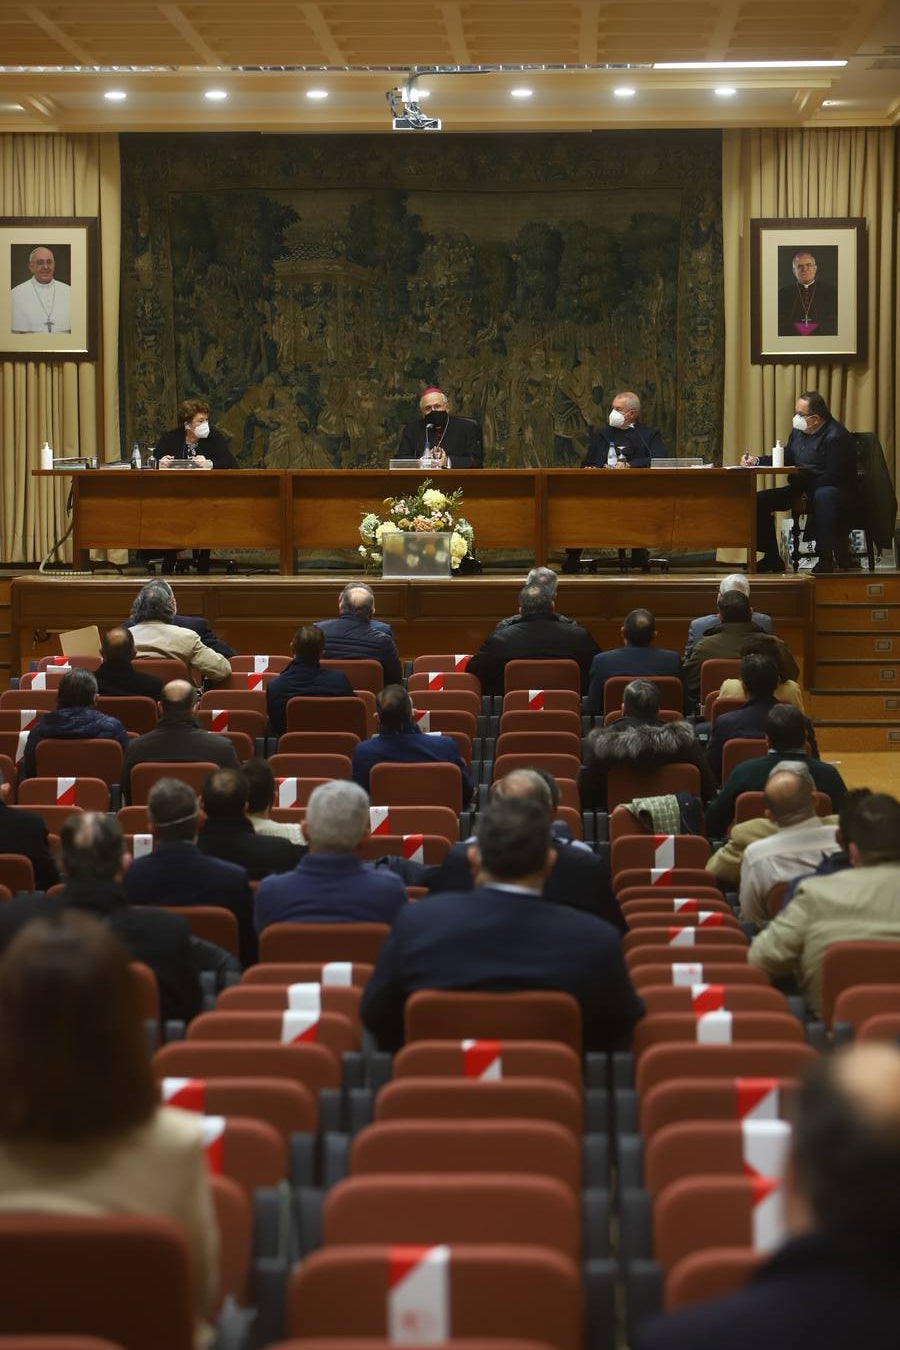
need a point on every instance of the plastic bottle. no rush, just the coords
(135, 456)
(612, 458)
(778, 455)
(46, 456)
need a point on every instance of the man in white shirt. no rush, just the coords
(798, 846)
(41, 304)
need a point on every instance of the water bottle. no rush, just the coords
(135, 456)
(612, 458)
(778, 455)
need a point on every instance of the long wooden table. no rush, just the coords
(543, 510)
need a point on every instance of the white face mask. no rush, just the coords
(799, 422)
(201, 431)
(616, 419)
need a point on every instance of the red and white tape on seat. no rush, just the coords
(298, 1025)
(757, 1098)
(213, 1128)
(482, 1060)
(187, 1093)
(337, 972)
(536, 699)
(418, 1298)
(287, 790)
(379, 820)
(65, 791)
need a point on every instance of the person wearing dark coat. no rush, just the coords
(356, 636)
(116, 676)
(401, 741)
(760, 677)
(25, 832)
(503, 936)
(825, 453)
(725, 640)
(638, 659)
(196, 441)
(228, 834)
(177, 873)
(75, 718)
(638, 741)
(536, 633)
(578, 877)
(92, 856)
(304, 677)
(454, 442)
(177, 739)
(833, 1282)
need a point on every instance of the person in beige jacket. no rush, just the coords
(157, 635)
(859, 904)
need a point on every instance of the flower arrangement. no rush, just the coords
(425, 511)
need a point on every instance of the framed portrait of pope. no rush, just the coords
(48, 287)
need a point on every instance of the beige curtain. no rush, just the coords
(73, 405)
(788, 173)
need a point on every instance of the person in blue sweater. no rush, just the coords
(400, 741)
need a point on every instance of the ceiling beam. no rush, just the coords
(588, 28)
(53, 30)
(456, 35)
(188, 32)
(323, 34)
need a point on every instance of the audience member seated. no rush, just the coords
(547, 579)
(503, 935)
(786, 732)
(638, 740)
(75, 718)
(833, 1282)
(228, 834)
(856, 905)
(766, 644)
(735, 581)
(356, 636)
(799, 844)
(759, 681)
(177, 737)
(331, 884)
(25, 832)
(93, 862)
(578, 878)
(156, 633)
(81, 1127)
(399, 741)
(638, 659)
(176, 873)
(536, 633)
(260, 782)
(724, 640)
(116, 676)
(197, 624)
(304, 677)
(838, 861)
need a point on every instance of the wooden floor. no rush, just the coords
(875, 770)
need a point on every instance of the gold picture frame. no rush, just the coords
(48, 313)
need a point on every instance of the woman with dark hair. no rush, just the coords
(81, 1128)
(766, 644)
(198, 445)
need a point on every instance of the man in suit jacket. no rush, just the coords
(454, 442)
(503, 936)
(726, 638)
(834, 1281)
(355, 635)
(93, 862)
(858, 904)
(578, 878)
(699, 627)
(177, 873)
(228, 834)
(25, 832)
(156, 632)
(400, 741)
(304, 677)
(638, 659)
(537, 632)
(177, 739)
(116, 676)
(760, 677)
(786, 732)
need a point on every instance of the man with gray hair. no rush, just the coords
(76, 717)
(536, 633)
(546, 578)
(735, 581)
(157, 633)
(799, 845)
(355, 635)
(331, 884)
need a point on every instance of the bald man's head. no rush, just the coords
(789, 793)
(846, 1146)
(178, 699)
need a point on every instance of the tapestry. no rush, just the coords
(311, 287)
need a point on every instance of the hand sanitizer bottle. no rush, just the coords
(778, 455)
(46, 456)
(612, 458)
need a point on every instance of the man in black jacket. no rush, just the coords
(356, 636)
(454, 442)
(25, 832)
(116, 676)
(228, 834)
(177, 738)
(91, 846)
(537, 632)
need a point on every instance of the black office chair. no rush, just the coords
(873, 508)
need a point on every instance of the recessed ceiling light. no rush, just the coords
(745, 65)
(115, 95)
(216, 95)
(317, 94)
(725, 91)
(624, 91)
(832, 102)
(521, 93)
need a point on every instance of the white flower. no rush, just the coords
(368, 526)
(386, 527)
(363, 550)
(376, 557)
(458, 547)
(434, 499)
